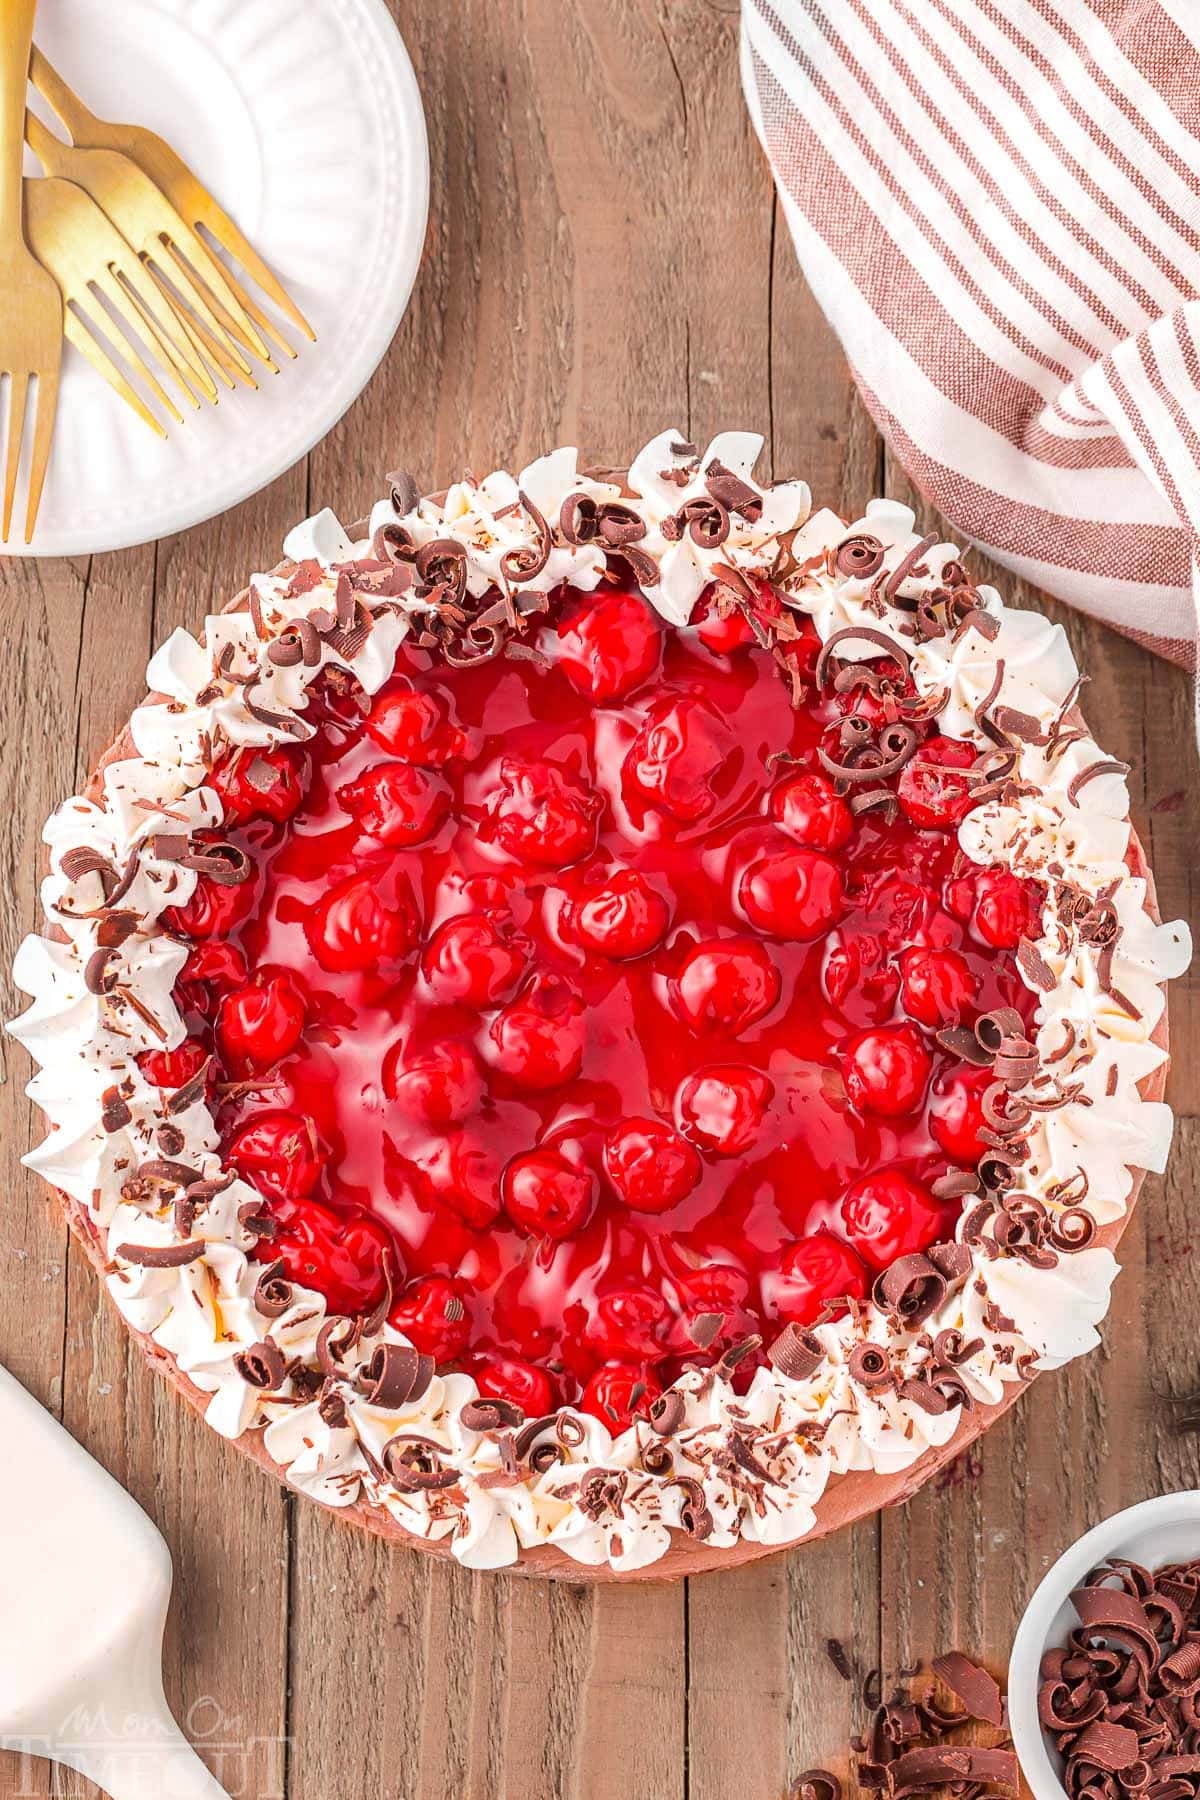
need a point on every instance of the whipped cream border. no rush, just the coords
(753, 1466)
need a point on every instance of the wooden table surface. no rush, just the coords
(605, 258)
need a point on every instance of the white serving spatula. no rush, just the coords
(86, 1583)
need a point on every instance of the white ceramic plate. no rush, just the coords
(304, 119)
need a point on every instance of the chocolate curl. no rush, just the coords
(273, 1292)
(869, 1367)
(859, 557)
(486, 1415)
(796, 1353)
(694, 1516)
(816, 1784)
(396, 1376)
(912, 1289)
(262, 1365)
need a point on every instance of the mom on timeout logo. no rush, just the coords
(132, 1755)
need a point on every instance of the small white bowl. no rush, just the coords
(1155, 1532)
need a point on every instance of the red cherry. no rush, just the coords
(172, 1068)
(260, 1024)
(469, 961)
(721, 1108)
(937, 986)
(433, 1316)
(956, 1114)
(722, 633)
(608, 644)
(259, 784)
(859, 979)
(1006, 909)
(396, 803)
(720, 1290)
(900, 908)
(624, 918)
(792, 894)
(414, 727)
(213, 968)
(886, 1071)
(618, 1392)
(651, 1166)
(888, 1215)
(351, 927)
(439, 1083)
(213, 910)
(543, 814)
(500, 1377)
(676, 756)
(340, 1255)
(279, 1152)
(933, 789)
(813, 1273)
(960, 896)
(726, 983)
(807, 809)
(537, 1041)
(465, 1175)
(547, 1196)
(631, 1322)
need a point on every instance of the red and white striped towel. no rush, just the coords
(997, 204)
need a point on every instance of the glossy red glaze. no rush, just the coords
(613, 1034)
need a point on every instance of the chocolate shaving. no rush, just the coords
(162, 1256)
(705, 1328)
(1106, 766)
(973, 1685)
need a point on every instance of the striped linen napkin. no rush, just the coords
(997, 205)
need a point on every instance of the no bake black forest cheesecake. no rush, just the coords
(587, 1012)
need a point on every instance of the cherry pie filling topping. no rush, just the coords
(573, 1006)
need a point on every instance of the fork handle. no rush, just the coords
(82, 124)
(16, 37)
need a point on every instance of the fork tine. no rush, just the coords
(18, 390)
(230, 238)
(118, 298)
(196, 283)
(161, 319)
(183, 292)
(198, 335)
(43, 432)
(229, 371)
(77, 332)
(208, 267)
(265, 324)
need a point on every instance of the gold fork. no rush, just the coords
(149, 222)
(100, 275)
(171, 174)
(30, 308)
